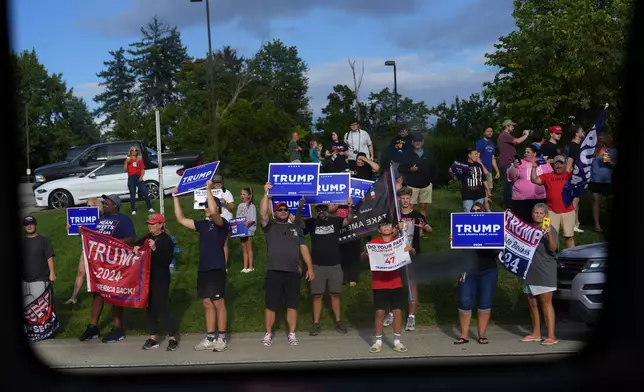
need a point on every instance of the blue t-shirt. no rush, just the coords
(211, 244)
(119, 226)
(486, 148)
(314, 154)
(601, 172)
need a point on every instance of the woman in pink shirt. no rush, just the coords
(525, 194)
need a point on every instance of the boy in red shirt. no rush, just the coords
(388, 292)
(562, 219)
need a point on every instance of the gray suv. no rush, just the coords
(581, 277)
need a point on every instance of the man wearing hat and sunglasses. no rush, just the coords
(284, 243)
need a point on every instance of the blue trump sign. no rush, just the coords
(238, 228)
(81, 216)
(293, 179)
(196, 178)
(482, 230)
(333, 188)
(359, 188)
(292, 202)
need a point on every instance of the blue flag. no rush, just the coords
(581, 170)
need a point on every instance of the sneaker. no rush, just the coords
(292, 340)
(133, 212)
(389, 319)
(150, 344)
(411, 324)
(91, 332)
(340, 328)
(315, 331)
(268, 340)
(205, 344)
(578, 230)
(151, 210)
(220, 344)
(172, 345)
(173, 269)
(245, 271)
(115, 335)
(251, 269)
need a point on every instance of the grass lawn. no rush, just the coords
(245, 292)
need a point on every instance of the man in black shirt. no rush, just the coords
(38, 268)
(572, 152)
(338, 153)
(325, 251)
(550, 149)
(474, 188)
(400, 144)
(365, 168)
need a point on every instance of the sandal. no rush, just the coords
(549, 342)
(461, 341)
(482, 340)
(531, 338)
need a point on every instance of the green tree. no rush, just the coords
(131, 123)
(156, 61)
(281, 78)
(465, 117)
(118, 81)
(81, 121)
(562, 60)
(338, 112)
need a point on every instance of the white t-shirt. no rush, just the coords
(226, 197)
(357, 141)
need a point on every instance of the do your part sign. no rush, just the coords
(478, 230)
(388, 257)
(293, 179)
(196, 178)
(201, 196)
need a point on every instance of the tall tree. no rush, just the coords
(81, 121)
(380, 110)
(118, 81)
(338, 112)
(156, 61)
(281, 74)
(562, 60)
(465, 117)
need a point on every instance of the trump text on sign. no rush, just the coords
(293, 179)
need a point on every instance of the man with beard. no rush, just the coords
(284, 243)
(325, 250)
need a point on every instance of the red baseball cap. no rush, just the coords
(155, 218)
(556, 129)
(278, 205)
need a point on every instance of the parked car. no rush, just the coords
(93, 156)
(581, 277)
(108, 178)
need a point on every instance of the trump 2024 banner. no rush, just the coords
(482, 230)
(120, 276)
(521, 241)
(196, 178)
(293, 179)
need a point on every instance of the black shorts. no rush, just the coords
(211, 284)
(281, 285)
(601, 188)
(389, 299)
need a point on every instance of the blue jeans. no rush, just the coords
(480, 283)
(134, 183)
(467, 204)
(507, 186)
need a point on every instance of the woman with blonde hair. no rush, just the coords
(80, 275)
(135, 168)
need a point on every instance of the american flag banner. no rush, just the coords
(581, 170)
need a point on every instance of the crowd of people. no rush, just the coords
(532, 189)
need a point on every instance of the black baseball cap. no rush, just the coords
(217, 201)
(417, 137)
(29, 220)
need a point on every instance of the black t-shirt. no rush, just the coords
(487, 258)
(160, 258)
(550, 149)
(364, 172)
(37, 250)
(325, 237)
(337, 164)
(472, 187)
(412, 221)
(283, 242)
(573, 150)
(211, 244)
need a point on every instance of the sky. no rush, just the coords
(438, 46)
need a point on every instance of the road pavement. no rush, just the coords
(26, 199)
(425, 344)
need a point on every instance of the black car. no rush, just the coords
(83, 159)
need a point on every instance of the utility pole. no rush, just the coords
(27, 137)
(392, 63)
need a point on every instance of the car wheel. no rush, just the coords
(60, 199)
(153, 189)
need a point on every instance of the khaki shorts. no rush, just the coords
(563, 223)
(421, 196)
(490, 180)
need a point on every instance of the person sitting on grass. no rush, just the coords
(388, 292)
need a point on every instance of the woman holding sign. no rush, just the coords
(541, 279)
(246, 209)
(135, 169)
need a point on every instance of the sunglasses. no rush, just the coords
(282, 210)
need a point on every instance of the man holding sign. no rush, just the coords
(387, 255)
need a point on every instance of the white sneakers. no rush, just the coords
(247, 270)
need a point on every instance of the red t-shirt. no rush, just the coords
(554, 184)
(135, 167)
(385, 279)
